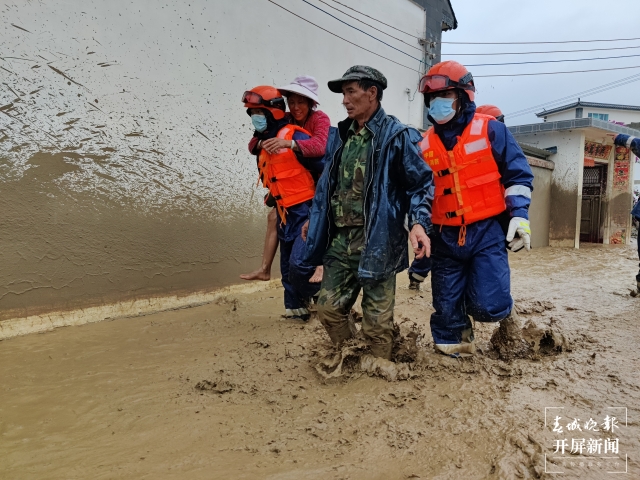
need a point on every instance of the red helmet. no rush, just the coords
(491, 110)
(264, 96)
(447, 76)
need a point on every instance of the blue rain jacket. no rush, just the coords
(636, 211)
(397, 187)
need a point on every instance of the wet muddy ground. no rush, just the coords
(231, 390)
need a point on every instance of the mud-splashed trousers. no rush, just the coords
(340, 289)
(470, 280)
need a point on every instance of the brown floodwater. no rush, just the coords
(231, 390)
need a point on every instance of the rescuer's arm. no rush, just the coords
(630, 142)
(515, 171)
(517, 179)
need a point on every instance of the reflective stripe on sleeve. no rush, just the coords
(521, 190)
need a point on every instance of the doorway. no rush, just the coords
(594, 188)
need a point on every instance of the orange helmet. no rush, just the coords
(264, 96)
(491, 110)
(446, 76)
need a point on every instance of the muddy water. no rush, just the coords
(230, 390)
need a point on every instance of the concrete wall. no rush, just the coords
(540, 209)
(566, 184)
(123, 165)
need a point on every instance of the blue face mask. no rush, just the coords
(259, 122)
(441, 109)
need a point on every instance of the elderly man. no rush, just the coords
(375, 190)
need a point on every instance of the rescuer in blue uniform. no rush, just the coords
(483, 187)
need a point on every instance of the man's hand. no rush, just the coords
(522, 227)
(274, 144)
(305, 230)
(420, 242)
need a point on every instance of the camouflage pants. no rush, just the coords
(340, 289)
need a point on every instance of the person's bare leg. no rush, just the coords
(317, 275)
(269, 250)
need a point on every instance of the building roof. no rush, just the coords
(453, 22)
(579, 103)
(572, 124)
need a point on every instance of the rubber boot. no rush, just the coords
(381, 350)
(466, 345)
(414, 284)
(340, 334)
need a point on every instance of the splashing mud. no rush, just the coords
(231, 390)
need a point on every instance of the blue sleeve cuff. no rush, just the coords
(520, 212)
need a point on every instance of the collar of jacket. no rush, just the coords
(373, 124)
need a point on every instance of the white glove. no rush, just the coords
(522, 227)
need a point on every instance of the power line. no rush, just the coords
(533, 53)
(553, 73)
(370, 26)
(537, 43)
(341, 38)
(585, 93)
(549, 61)
(418, 71)
(488, 43)
(379, 21)
(362, 31)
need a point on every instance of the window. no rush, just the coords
(579, 112)
(600, 116)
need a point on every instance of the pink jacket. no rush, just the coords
(317, 125)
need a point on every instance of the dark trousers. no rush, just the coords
(295, 298)
(419, 269)
(300, 272)
(473, 279)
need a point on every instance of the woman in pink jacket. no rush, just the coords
(302, 99)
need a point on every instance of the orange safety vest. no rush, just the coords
(287, 180)
(467, 180)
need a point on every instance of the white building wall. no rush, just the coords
(170, 75)
(566, 184)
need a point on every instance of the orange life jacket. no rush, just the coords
(287, 180)
(467, 180)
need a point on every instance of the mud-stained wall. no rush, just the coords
(566, 194)
(540, 209)
(123, 163)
